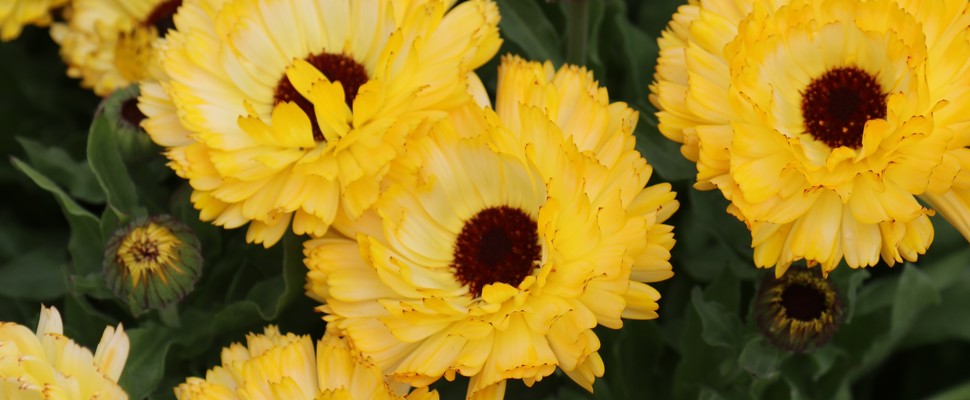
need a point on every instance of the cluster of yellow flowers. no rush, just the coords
(452, 235)
(447, 235)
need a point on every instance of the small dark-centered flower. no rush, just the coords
(152, 262)
(799, 311)
(121, 109)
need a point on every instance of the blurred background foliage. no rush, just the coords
(69, 184)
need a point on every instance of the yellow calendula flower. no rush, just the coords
(274, 366)
(48, 365)
(284, 112)
(14, 14)
(498, 262)
(583, 115)
(111, 44)
(823, 121)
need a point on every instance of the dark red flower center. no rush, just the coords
(337, 68)
(836, 106)
(498, 244)
(803, 302)
(162, 16)
(145, 251)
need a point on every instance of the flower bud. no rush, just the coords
(121, 109)
(152, 262)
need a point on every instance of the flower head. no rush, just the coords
(300, 116)
(821, 121)
(152, 262)
(799, 311)
(111, 44)
(499, 261)
(14, 14)
(273, 366)
(579, 111)
(49, 365)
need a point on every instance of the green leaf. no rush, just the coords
(110, 222)
(797, 373)
(633, 361)
(959, 392)
(765, 388)
(637, 55)
(851, 290)
(85, 244)
(91, 285)
(948, 270)
(180, 207)
(273, 295)
(110, 170)
(710, 394)
(634, 53)
(761, 359)
(721, 328)
(948, 321)
(571, 393)
(701, 363)
(875, 296)
(199, 325)
(703, 256)
(654, 15)
(57, 164)
(662, 153)
(710, 207)
(726, 292)
(524, 23)
(600, 388)
(146, 359)
(824, 359)
(941, 272)
(16, 237)
(82, 322)
(19, 310)
(597, 13)
(914, 294)
(35, 275)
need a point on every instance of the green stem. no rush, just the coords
(577, 31)
(170, 316)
